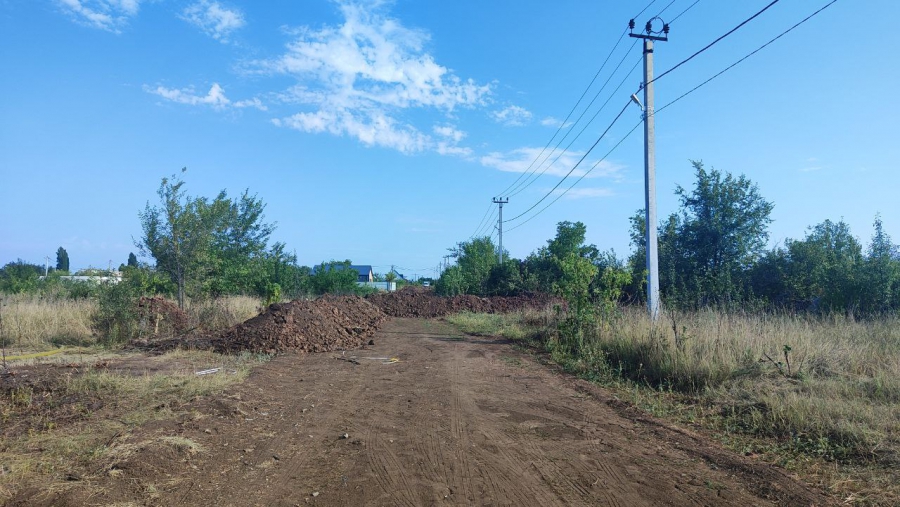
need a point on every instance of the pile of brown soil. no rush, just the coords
(325, 324)
(421, 302)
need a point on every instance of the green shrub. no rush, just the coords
(116, 320)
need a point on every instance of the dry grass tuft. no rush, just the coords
(221, 313)
(33, 323)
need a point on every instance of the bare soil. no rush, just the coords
(426, 416)
(422, 302)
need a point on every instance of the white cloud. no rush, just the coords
(555, 164)
(215, 98)
(214, 19)
(555, 122)
(512, 116)
(583, 193)
(448, 139)
(358, 78)
(373, 130)
(810, 169)
(110, 15)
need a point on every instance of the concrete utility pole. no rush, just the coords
(652, 248)
(46, 266)
(501, 201)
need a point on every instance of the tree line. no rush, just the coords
(713, 252)
(200, 248)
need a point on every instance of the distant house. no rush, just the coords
(364, 272)
(398, 274)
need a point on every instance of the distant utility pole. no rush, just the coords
(652, 248)
(501, 201)
(46, 265)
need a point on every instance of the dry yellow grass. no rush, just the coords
(222, 313)
(31, 323)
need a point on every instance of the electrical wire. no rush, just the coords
(534, 176)
(627, 103)
(644, 9)
(713, 43)
(564, 192)
(563, 124)
(583, 94)
(689, 7)
(757, 50)
(692, 90)
(481, 223)
(487, 224)
(660, 13)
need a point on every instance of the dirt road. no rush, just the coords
(457, 421)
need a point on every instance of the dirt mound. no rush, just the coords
(420, 302)
(321, 325)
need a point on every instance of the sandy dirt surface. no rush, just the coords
(456, 421)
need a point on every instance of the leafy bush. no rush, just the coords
(116, 320)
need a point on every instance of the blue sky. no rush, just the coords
(380, 131)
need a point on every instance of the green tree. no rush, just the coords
(62, 260)
(390, 277)
(474, 261)
(209, 247)
(177, 234)
(20, 277)
(544, 265)
(707, 249)
(132, 260)
(334, 278)
(881, 272)
(823, 270)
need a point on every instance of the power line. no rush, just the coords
(627, 103)
(487, 224)
(689, 7)
(757, 50)
(692, 90)
(645, 8)
(534, 176)
(713, 43)
(563, 123)
(564, 192)
(660, 13)
(481, 223)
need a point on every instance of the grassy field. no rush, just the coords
(820, 396)
(79, 402)
(33, 324)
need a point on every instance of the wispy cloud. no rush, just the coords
(110, 15)
(809, 169)
(358, 78)
(584, 193)
(512, 116)
(214, 19)
(215, 98)
(555, 122)
(557, 164)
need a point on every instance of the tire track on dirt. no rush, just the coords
(388, 470)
